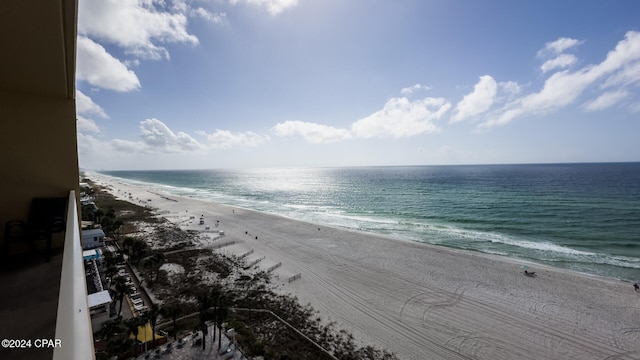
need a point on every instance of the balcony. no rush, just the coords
(45, 303)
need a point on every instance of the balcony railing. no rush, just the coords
(73, 324)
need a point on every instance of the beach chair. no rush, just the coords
(46, 217)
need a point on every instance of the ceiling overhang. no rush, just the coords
(38, 42)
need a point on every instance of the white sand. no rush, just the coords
(420, 301)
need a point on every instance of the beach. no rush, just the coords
(418, 301)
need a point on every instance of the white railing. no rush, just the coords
(73, 324)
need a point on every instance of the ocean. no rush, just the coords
(583, 217)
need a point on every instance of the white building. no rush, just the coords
(92, 239)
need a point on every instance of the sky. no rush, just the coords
(206, 84)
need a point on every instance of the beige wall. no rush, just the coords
(38, 151)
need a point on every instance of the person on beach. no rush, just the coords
(636, 287)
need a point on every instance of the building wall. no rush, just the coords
(38, 151)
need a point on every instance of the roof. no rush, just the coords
(99, 298)
(92, 233)
(89, 253)
(145, 334)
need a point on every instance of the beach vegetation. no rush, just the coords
(216, 288)
(152, 264)
(116, 334)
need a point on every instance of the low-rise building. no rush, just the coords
(92, 238)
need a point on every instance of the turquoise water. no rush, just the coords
(584, 217)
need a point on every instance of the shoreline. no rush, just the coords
(420, 300)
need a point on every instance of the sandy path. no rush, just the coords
(426, 302)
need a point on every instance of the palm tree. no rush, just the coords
(110, 328)
(172, 311)
(204, 303)
(121, 288)
(115, 333)
(221, 316)
(144, 319)
(153, 263)
(154, 311)
(138, 249)
(133, 325)
(127, 242)
(214, 297)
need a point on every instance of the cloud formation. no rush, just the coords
(205, 14)
(156, 135)
(606, 100)
(411, 89)
(273, 6)
(86, 125)
(558, 46)
(138, 26)
(86, 106)
(401, 118)
(225, 139)
(311, 132)
(478, 101)
(561, 61)
(97, 67)
(620, 68)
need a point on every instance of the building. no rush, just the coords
(92, 238)
(38, 143)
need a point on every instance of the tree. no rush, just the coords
(110, 264)
(154, 311)
(110, 328)
(121, 288)
(172, 311)
(153, 263)
(221, 316)
(133, 325)
(214, 296)
(138, 249)
(127, 242)
(115, 333)
(98, 215)
(204, 304)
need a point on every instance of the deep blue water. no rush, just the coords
(584, 217)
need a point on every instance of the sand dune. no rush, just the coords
(420, 301)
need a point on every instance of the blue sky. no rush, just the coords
(188, 84)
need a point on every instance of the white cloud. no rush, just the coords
(224, 139)
(561, 61)
(563, 88)
(401, 118)
(606, 100)
(311, 132)
(86, 125)
(414, 88)
(478, 101)
(559, 46)
(128, 147)
(156, 135)
(511, 88)
(629, 75)
(86, 106)
(205, 14)
(135, 25)
(273, 6)
(98, 68)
